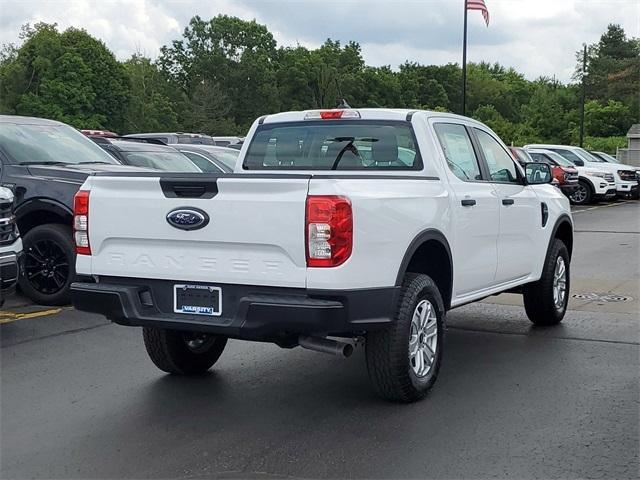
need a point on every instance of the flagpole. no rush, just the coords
(464, 61)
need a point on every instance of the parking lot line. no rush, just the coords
(602, 206)
(8, 317)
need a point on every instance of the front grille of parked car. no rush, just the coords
(627, 175)
(609, 177)
(8, 230)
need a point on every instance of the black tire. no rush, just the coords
(582, 195)
(389, 365)
(49, 264)
(539, 302)
(170, 352)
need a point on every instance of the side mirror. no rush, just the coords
(579, 162)
(537, 173)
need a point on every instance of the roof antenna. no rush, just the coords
(343, 104)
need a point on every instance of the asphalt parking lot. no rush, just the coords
(80, 399)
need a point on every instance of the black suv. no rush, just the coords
(44, 162)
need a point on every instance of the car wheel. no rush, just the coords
(404, 359)
(583, 194)
(182, 353)
(545, 301)
(49, 264)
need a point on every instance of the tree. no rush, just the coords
(151, 108)
(68, 76)
(613, 69)
(237, 56)
(608, 120)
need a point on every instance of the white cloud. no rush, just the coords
(537, 37)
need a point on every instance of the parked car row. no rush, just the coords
(44, 162)
(583, 176)
(42, 165)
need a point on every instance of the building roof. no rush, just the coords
(634, 131)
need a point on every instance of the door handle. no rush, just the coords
(508, 201)
(468, 203)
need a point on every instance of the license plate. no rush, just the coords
(197, 300)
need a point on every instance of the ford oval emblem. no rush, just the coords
(187, 218)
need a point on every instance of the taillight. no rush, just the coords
(329, 230)
(81, 222)
(335, 114)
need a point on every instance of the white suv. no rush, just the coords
(626, 182)
(10, 245)
(337, 223)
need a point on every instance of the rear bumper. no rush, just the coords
(250, 312)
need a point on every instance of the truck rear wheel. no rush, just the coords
(403, 360)
(183, 353)
(545, 301)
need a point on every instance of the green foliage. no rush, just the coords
(613, 69)
(151, 106)
(223, 73)
(611, 119)
(68, 76)
(605, 144)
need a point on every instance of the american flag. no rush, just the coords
(479, 5)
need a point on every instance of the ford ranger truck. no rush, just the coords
(335, 225)
(10, 245)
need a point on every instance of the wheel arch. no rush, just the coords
(40, 211)
(562, 230)
(429, 253)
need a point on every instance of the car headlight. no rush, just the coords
(596, 174)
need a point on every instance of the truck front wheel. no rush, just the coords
(183, 353)
(545, 301)
(403, 360)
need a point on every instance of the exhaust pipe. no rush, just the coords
(326, 345)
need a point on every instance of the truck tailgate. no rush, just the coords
(255, 233)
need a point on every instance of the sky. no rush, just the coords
(537, 37)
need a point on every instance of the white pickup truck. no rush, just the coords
(335, 225)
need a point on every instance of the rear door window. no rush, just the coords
(334, 145)
(458, 151)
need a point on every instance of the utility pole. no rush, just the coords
(464, 62)
(584, 74)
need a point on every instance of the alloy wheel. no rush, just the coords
(560, 283)
(423, 340)
(580, 194)
(46, 266)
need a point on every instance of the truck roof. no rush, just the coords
(365, 114)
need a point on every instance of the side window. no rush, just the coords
(501, 166)
(201, 162)
(458, 150)
(572, 157)
(541, 158)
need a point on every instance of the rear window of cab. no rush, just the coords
(334, 145)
